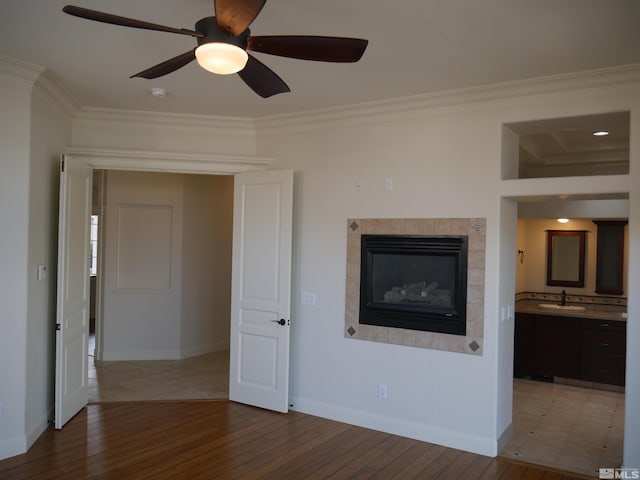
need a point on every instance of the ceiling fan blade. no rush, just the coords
(261, 79)
(168, 66)
(309, 47)
(124, 21)
(236, 15)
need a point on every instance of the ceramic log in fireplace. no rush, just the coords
(414, 282)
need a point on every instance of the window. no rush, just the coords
(93, 239)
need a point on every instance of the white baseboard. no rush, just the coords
(10, 447)
(505, 438)
(39, 428)
(127, 355)
(19, 444)
(425, 433)
(221, 346)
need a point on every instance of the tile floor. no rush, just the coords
(570, 428)
(202, 377)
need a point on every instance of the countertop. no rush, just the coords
(599, 312)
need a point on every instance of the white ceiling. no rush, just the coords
(416, 47)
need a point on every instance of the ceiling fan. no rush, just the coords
(223, 42)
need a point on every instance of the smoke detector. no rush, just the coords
(158, 92)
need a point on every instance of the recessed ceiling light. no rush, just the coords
(563, 220)
(600, 133)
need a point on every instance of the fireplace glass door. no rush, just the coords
(414, 282)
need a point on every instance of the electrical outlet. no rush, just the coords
(382, 391)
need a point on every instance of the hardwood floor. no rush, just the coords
(224, 440)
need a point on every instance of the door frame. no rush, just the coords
(145, 161)
(164, 162)
(508, 289)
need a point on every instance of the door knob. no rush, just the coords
(282, 321)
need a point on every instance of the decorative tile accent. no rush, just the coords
(474, 228)
(589, 299)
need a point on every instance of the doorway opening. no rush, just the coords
(561, 417)
(132, 361)
(93, 273)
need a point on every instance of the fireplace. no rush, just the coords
(414, 282)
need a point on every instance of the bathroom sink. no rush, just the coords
(553, 306)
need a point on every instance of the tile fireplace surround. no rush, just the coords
(475, 228)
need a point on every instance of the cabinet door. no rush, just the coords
(558, 347)
(524, 347)
(603, 369)
(610, 257)
(603, 351)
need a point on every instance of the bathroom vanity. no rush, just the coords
(587, 344)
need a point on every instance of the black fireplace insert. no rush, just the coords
(414, 282)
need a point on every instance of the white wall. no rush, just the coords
(206, 263)
(142, 266)
(50, 133)
(15, 116)
(35, 123)
(144, 131)
(445, 161)
(505, 318)
(434, 395)
(521, 246)
(632, 383)
(168, 275)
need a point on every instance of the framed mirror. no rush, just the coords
(565, 258)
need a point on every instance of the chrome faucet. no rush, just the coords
(564, 298)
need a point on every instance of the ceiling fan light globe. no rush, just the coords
(221, 58)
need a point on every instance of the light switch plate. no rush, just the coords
(42, 272)
(307, 298)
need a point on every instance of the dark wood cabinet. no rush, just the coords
(569, 347)
(610, 257)
(558, 346)
(524, 345)
(603, 351)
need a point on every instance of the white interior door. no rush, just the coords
(261, 289)
(72, 328)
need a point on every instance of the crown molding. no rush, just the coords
(577, 83)
(40, 80)
(53, 90)
(20, 70)
(174, 162)
(173, 120)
